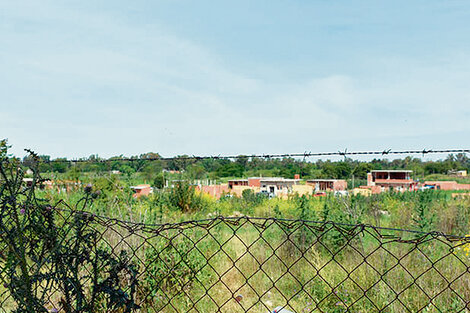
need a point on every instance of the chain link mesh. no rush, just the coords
(243, 264)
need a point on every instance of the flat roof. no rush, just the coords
(394, 181)
(392, 171)
(278, 179)
(325, 180)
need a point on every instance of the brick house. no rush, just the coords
(399, 180)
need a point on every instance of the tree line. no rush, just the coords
(246, 167)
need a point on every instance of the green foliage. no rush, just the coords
(423, 216)
(148, 166)
(361, 170)
(171, 266)
(196, 171)
(39, 250)
(250, 198)
(183, 197)
(159, 181)
(230, 170)
(127, 170)
(60, 167)
(107, 184)
(347, 210)
(71, 254)
(3, 147)
(73, 174)
(305, 235)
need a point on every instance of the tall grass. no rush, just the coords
(301, 266)
(304, 266)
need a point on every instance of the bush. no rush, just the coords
(38, 249)
(252, 199)
(183, 196)
(171, 267)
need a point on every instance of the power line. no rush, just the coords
(304, 155)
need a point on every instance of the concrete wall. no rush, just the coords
(376, 189)
(238, 190)
(448, 185)
(464, 187)
(340, 185)
(303, 189)
(215, 191)
(362, 191)
(371, 190)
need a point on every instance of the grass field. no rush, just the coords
(309, 254)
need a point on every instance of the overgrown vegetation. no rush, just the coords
(40, 253)
(94, 270)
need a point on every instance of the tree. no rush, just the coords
(4, 147)
(159, 181)
(230, 169)
(463, 160)
(242, 160)
(183, 196)
(362, 169)
(60, 165)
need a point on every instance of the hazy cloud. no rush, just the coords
(78, 80)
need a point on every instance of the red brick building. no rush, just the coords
(215, 191)
(446, 185)
(399, 180)
(251, 182)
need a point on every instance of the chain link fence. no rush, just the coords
(244, 264)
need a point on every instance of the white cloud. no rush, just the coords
(85, 82)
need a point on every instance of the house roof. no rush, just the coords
(278, 179)
(394, 181)
(266, 179)
(322, 180)
(392, 171)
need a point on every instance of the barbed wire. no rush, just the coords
(63, 206)
(303, 155)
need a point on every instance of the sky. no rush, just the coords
(233, 77)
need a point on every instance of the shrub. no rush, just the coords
(183, 196)
(39, 249)
(171, 267)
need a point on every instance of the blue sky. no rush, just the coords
(219, 77)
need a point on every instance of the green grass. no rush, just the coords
(304, 268)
